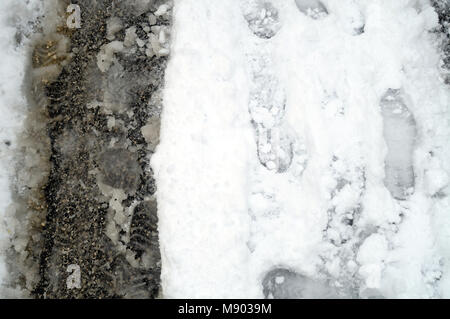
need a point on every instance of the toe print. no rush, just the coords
(275, 149)
(262, 18)
(312, 8)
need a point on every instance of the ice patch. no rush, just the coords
(282, 283)
(399, 131)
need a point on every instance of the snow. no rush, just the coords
(202, 189)
(435, 180)
(275, 150)
(303, 148)
(14, 18)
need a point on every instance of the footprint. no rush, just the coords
(267, 108)
(276, 145)
(262, 18)
(399, 130)
(275, 148)
(267, 101)
(341, 232)
(345, 203)
(312, 8)
(282, 283)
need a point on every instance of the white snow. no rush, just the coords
(228, 216)
(202, 162)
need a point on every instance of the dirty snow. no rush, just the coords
(15, 23)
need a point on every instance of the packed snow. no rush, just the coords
(304, 151)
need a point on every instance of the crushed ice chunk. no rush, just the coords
(162, 9)
(130, 36)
